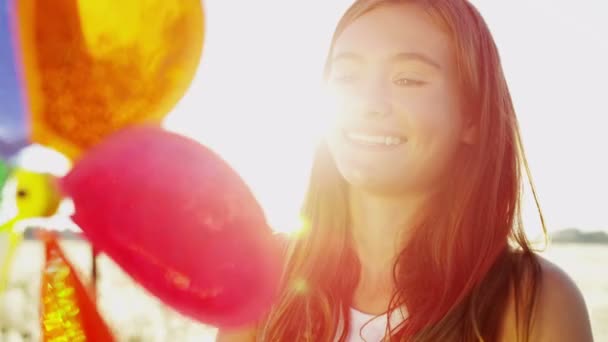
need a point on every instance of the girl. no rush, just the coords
(414, 225)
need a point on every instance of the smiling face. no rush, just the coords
(398, 122)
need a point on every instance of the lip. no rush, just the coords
(373, 146)
(379, 131)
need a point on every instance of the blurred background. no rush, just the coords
(253, 101)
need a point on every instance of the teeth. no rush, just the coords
(392, 140)
(375, 139)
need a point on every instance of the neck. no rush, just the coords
(380, 227)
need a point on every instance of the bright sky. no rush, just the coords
(252, 102)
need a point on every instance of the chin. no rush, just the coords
(374, 185)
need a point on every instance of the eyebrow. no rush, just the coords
(403, 56)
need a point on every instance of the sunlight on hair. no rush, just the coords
(300, 286)
(296, 229)
(533, 225)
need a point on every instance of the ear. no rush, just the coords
(470, 133)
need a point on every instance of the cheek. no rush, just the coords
(340, 107)
(433, 116)
(435, 125)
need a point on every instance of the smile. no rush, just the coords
(374, 140)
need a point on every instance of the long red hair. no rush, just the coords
(455, 273)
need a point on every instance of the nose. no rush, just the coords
(375, 100)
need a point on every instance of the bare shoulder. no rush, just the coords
(562, 314)
(241, 335)
(560, 311)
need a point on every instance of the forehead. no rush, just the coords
(394, 29)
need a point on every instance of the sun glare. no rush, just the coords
(272, 154)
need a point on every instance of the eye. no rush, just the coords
(408, 82)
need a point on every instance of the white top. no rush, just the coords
(369, 328)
